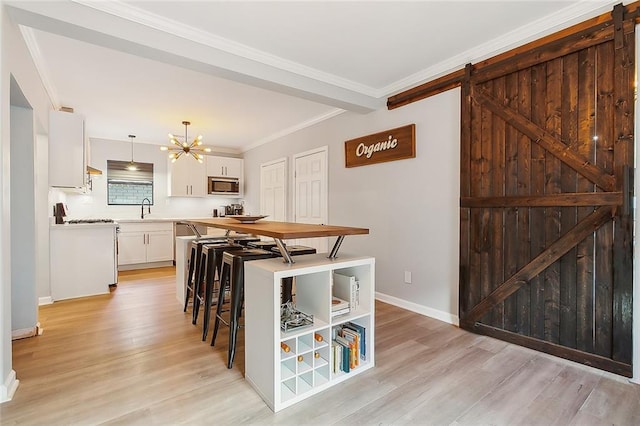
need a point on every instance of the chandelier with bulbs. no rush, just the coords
(195, 148)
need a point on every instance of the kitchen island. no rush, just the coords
(295, 351)
(83, 259)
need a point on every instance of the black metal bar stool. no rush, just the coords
(211, 259)
(286, 293)
(194, 265)
(264, 245)
(243, 240)
(233, 273)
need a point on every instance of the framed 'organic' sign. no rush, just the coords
(390, 145)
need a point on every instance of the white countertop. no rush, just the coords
(82, 225)
(134, 220)
(157, 219)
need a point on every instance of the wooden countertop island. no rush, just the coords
(313, 360)
(283, 231)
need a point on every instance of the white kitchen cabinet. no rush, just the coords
(287, 367)
(160, 246)
(187, 177)
(132, 248)
(67, 150)
(145, 244)
(225, 167)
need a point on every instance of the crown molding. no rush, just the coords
(565, 17)
(303, 125)
(40, 64)
(169, 26)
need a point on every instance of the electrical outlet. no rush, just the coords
(407, 277)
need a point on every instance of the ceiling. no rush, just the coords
(245, 73)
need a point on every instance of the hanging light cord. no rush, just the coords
(132, 165)
(131, 137)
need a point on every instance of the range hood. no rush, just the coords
(92, 171)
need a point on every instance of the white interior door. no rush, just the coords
(273, 190)
(310, 193)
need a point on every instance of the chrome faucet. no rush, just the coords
(142, 208)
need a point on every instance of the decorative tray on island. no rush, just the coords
(246, 218)
(291, 318)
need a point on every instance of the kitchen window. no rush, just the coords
(129, 187)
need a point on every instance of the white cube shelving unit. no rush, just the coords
(285, 378)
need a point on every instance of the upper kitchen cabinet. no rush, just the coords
(225, 167)
(187, 177)
(67, 150)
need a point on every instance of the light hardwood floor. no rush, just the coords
(133, 357)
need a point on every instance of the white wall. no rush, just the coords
(95, 204)
(42, 218)
(14, 61)
(23, 248)
(410, 206)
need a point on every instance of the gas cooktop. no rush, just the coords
(75, 221)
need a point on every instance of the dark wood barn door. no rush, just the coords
(546, 183)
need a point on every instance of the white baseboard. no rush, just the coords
(8, 389)
(45, 300)
(145, 265)
(420, 309)
(24, 333)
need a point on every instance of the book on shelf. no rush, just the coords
(362, 332)
(353, 338)
(339, 306)
(347, 287)
(345, 364)
(337, 357)
(340, 312)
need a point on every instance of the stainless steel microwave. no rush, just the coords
(223, 186)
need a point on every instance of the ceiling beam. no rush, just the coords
(88, 24)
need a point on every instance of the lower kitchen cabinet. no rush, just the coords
(160, 246)
(145, 244)
(132, 248)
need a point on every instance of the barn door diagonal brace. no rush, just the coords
(552, 253)
(547, 141)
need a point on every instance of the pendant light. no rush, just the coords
(132, 165)
(178, 148)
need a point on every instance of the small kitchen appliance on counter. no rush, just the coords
(59, 213)
(234, 209)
